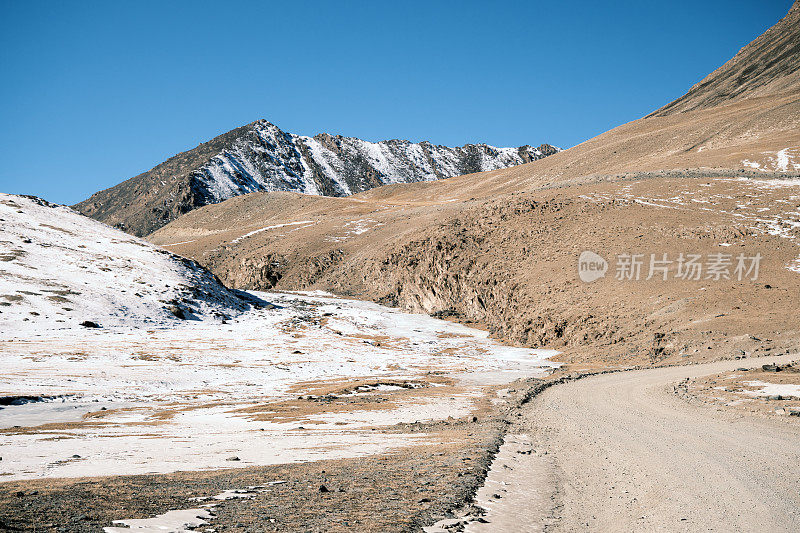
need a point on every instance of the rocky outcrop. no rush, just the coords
(463, 269)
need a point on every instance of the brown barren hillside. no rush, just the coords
(768, 66)
(501, 248)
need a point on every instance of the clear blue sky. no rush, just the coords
(93, 93)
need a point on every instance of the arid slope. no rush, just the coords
(768, 66)
(501, 248)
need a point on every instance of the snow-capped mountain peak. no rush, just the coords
(262, 157)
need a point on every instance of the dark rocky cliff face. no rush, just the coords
(262, 157)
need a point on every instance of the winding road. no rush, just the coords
(622, 452)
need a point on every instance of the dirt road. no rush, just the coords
(622, 452)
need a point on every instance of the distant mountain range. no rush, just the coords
(262, 157)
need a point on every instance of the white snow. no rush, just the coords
(354, 227)
(773, 389)
(177, 396)
(59, 268)
(183, 520)
(782, 160)
(148, 392)
(237, 494)
(276, 226)
(179, 243)
(785, 160)
(176, 521)
(773, 183)
(327, 161)
(653, 204)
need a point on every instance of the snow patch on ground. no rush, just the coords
(150, 393)
(785, 160)
(774, 183)
(773, 389)
(180, 397)
(170, 522)
(276, 226)
(179, 243)
(794, 266)
(354, 227)
(184, 520)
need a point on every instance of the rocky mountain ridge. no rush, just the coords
(262, 157)
(767, 66)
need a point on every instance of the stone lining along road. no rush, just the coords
(623, 452)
